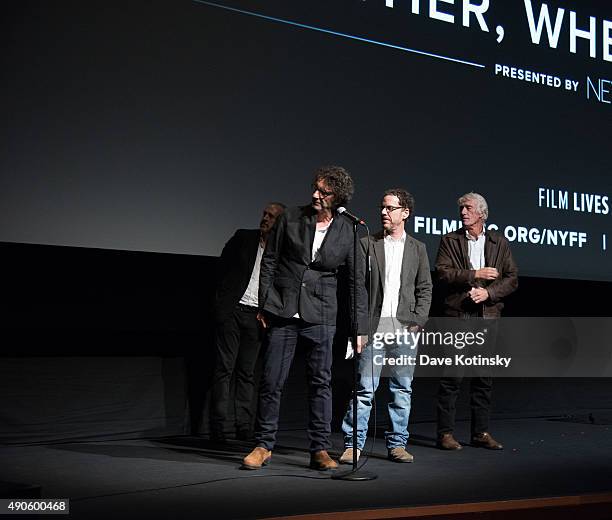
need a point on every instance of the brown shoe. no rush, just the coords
(400, 455)
(258, 458)
(347, 456)
(321, 461)
(446, 441)
(484, 440)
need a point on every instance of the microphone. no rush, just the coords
(343, 211)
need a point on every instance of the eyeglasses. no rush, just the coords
(390, 209)
(321, 191)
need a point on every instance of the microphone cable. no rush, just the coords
(367, 452)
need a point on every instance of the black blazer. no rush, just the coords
(290, 282)
(235, 268)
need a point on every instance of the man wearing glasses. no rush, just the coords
(297, 301)
(399, 297)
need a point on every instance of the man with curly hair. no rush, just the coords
(297, 301)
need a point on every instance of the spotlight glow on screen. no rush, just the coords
(162, 126)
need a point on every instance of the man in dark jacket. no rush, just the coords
(477, 271)
(400, 296)
(238, 334)
(297, 299)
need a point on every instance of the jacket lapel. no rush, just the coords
(463, 246)
(332, 231)
(407, 260)
(309, 222)
(253, 248)
(379, 252)
(491, 250)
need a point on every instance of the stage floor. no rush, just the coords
(190, 477)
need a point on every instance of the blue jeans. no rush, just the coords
(400, 387)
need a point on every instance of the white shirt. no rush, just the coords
(318, 239)
(316, 245)
(476, 247)
(394, 254)
(250, 295)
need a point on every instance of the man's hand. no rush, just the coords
(262, 319)
(361, 343)
(487, 273)
(479, 295)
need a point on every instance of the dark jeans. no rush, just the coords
(481, 385)
(283, 337)
(480, 403)
(237, 342)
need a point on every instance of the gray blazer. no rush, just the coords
(415, 288)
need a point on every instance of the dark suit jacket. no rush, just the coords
(415, 288)
(290, 282)
(453, 270)
(235, 268)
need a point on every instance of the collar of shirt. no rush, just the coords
(470, 237)
(390, 240)
(323, 230)
(317, 241)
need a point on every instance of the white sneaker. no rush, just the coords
(347, 456)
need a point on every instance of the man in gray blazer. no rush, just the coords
(399, 288)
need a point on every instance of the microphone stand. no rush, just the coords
(354, 474)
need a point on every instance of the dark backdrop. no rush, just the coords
(166, 125)
(110, 344)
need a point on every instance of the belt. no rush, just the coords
(246, 308)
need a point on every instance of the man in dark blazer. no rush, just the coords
(297, 299)
(399, 287)
(477, 271)
(238, 333)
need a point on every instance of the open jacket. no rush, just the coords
(291, 282)
(454, 272)
(235, 268)
(415, 287)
